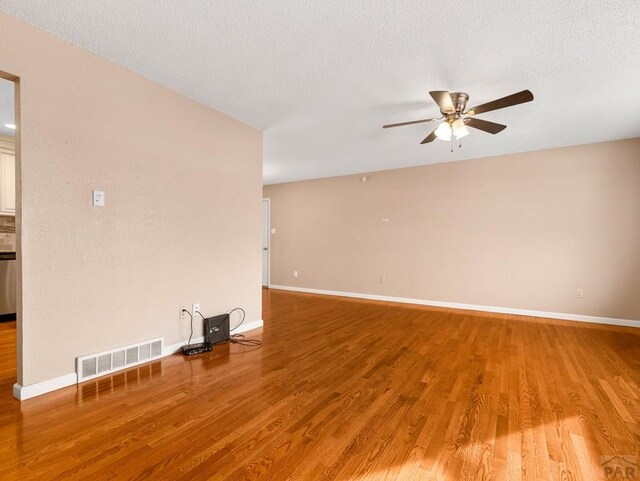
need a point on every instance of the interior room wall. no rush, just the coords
(522, 231)
(182, 221)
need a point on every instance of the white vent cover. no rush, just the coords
(106, 362)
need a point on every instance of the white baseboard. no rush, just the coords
(33, 390)
(249, 326)
(471, 307)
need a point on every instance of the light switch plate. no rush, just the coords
(98, 198)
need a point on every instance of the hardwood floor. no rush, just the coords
(346, 390)
(7, 362)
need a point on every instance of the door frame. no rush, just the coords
(268, 200)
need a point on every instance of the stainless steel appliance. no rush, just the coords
(7, 283)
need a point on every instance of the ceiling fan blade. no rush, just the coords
(407, 123)
(485, 125)
(429, 138)
(443, 99)
(508, 101)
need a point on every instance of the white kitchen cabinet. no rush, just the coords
(7, 180)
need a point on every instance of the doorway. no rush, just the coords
(266, 233)
(10, 324)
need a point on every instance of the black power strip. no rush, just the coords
(192, 349)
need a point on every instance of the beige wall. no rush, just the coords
(182, 217)
(518, 231)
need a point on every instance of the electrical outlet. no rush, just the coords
(97, 197)
(195, 308)
(383, 280)
(579, 293)
(295, 273)
(183, 312)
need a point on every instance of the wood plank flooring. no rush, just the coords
(346, 390)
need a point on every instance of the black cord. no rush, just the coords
(190, 335)
(240, 338)
(244, 314)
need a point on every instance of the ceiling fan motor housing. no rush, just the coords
(459, 100)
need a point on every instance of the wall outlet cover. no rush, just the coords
(97, 198)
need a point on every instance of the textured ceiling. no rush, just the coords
(7, 111)
(320, 78)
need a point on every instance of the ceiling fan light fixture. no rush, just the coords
(459, 129)
(443, 132)
(461, 132)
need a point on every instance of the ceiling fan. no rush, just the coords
(456, 117)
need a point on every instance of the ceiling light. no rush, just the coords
(460, 129)
(443, 132)
(10, 126)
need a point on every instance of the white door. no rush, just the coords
(266, 229)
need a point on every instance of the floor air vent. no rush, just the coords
(113, 360)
